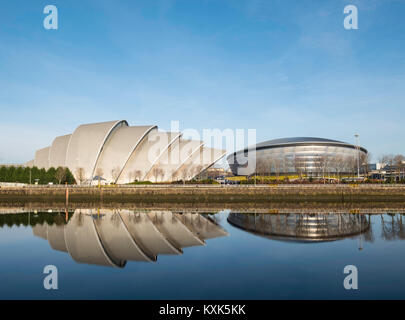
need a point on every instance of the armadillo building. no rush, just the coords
(301, 155)
(120, 153)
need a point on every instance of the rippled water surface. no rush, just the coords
(162, 254)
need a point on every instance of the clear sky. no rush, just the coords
(284, 67)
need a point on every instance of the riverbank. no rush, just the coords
(211, 194)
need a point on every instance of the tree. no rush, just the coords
(115, 173)
(70, 179)
(338, 163)
(298, 165)
(387, 159)
(365, 162)
(184, 173)
(60, 174)
(155, 173)
(161, 174)
(261, 167)
(323, 163)
(137, 174)
(399, 164)
(278, 163)
(286, 164)
(80, 174)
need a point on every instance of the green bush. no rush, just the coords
(22, 175)
(141, 182)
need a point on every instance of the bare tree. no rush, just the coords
(80, 174)
(184, 173)
(155, 172)
(352, 165)
(161, 174)
(175, 175)
(115, 173)
(130, 176)
(387, 159)
(365, 162)
(338, 164)
(137, 174)
(277, 166)
(318, 164)
(269, 166)
(298, 164)
(324, 164)
(399, 164)
(286, 164)
(261, 167)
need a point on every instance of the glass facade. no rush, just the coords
(302, 158)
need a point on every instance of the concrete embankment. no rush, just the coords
(207, 193)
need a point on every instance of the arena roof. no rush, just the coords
(294, 141)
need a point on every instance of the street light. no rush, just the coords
(358, 155)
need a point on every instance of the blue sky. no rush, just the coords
(285, 68)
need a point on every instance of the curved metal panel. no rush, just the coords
(29, 163)
(57, 154)
(204, 227)
(146, 154)
(173, 230)
(86, 144)
(42, 158)
(208, 157)
(40, 231)
(163, 156)
(116, 239)
(118, 149)
(146, 235)
(177, 154)
(201, 160)
(160, 164)
(56, 237)
(83, 242)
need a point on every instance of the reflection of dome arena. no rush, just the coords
(302, 227)
(121, 153)
(297, 155)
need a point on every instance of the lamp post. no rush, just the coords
(358, 155)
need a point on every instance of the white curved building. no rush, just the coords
(120, 153)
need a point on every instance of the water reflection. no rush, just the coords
(314, 227)
(393, 226)
(113, 237)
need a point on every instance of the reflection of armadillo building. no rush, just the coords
(111, 238)
(121, 153)
(302, 227)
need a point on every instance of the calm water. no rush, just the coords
(178, 255)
